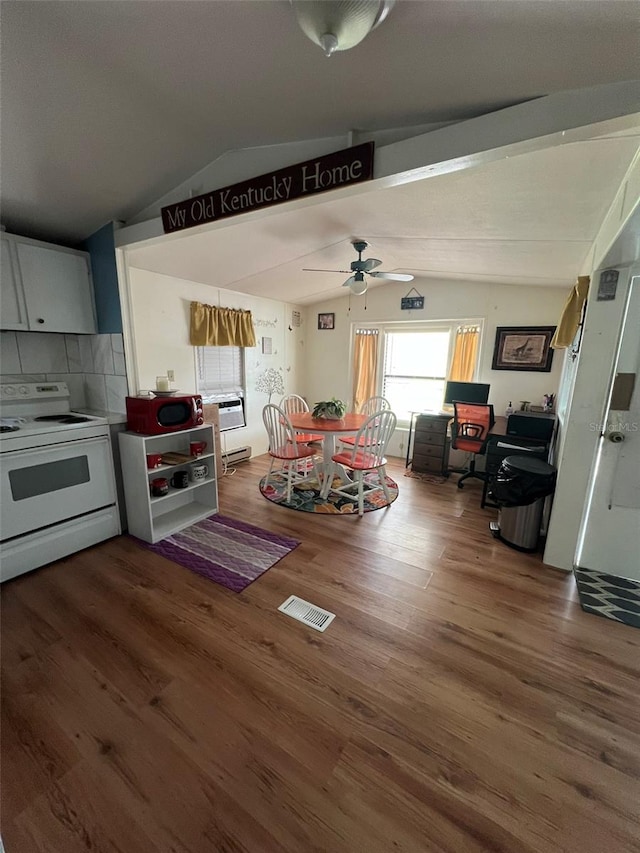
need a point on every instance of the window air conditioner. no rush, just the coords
(230, 410)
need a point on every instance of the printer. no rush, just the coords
(538, 425)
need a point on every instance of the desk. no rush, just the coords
(430, 450)
(348, 425)
(499, 427)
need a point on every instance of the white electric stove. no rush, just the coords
(57, 484)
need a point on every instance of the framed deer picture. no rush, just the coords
(523, 348)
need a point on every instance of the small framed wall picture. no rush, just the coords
(326, 321)
(523, 348)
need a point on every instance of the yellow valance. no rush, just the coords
(571, 313)
(220, 327)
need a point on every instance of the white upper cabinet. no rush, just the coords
(13, 311)
(52, 283)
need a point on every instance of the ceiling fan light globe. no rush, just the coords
(358, 286)
(347, 22)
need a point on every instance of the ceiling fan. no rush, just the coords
(357, 282)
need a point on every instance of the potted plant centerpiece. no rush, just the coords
(330, 410)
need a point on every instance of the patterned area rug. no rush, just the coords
(305, 495)
(435, 479)
(229, 552)
(608, 595)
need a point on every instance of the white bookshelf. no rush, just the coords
(153, 518)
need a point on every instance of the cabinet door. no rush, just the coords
(14, 313)
(57, 289)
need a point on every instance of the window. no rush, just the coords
(221, 370)
(415, 369)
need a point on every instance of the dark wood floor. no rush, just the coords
(461, 701)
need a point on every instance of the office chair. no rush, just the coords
(471, 425)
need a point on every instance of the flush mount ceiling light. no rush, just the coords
(339, 24)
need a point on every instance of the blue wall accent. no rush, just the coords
(101, 247)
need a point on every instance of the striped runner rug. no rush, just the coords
(224, 550)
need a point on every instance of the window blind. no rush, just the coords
(221, 369)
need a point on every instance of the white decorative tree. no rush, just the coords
(270, 382)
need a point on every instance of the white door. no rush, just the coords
(610, 537)
(14, 312)
(57, 289)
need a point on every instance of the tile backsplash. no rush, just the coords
(92, 365)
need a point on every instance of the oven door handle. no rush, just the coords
(48, 448)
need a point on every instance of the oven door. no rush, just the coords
(47, 485)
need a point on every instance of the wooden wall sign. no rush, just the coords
(349, 166)
(411, 303)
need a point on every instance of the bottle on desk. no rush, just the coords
(509, 410)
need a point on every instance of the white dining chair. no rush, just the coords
(367, 454)
(284, 447)
(374, 404)
(368, 407)
(294, 404)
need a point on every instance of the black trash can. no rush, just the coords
(519, 488)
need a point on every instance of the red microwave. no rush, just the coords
(157, 415)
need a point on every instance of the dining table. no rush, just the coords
(330, 429)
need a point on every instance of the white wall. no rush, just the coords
(327, 357)
(617, 245)
(611, 525)
(160, 337)
(316, 363)
(587, 407)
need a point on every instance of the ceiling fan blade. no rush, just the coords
(370, 264)
(392, 276)
(349, 281)
(305, 269)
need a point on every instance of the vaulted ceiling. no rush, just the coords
(107, 105)
(526, 220)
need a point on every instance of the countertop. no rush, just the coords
(112, 417)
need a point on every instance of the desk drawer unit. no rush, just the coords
(431, 444)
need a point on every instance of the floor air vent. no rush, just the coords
(314, 617)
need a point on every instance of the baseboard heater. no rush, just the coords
(231, 457)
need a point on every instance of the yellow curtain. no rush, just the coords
(465, 354)
(571, 313)
(365, 366)
(220, 327)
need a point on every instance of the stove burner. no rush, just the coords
(51, 417)
(64, 419)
